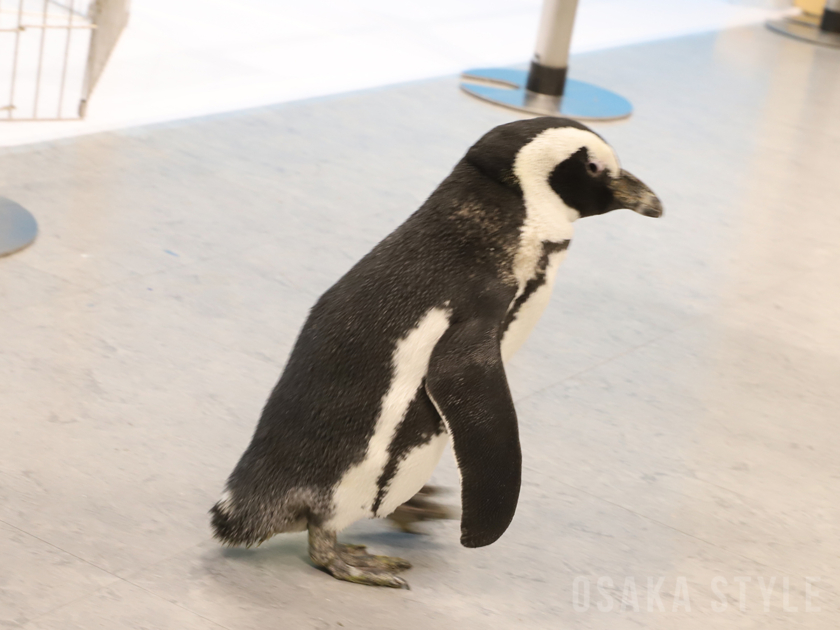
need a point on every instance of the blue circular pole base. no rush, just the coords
(18, 228)
(583, 101)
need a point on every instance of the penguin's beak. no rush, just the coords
(630, 192)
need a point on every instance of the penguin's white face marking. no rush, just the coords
(355, 494)
(536, 161)
(547, 217)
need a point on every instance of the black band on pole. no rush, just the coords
(545, 80)
(830, 21)
(544, 90)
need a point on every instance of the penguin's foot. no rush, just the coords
(421, 508)
(357, 556)
(352, 562)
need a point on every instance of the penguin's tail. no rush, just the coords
(239, 521)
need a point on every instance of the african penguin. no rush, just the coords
(406, 352)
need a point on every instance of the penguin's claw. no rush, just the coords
(342, 570)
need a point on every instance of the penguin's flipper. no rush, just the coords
(467, 383)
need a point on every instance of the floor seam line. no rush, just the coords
(70, 553)
(85, 291)
(604, 362)
(117, 578)
(176, 604)
(72, 601)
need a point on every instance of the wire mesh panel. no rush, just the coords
(52, 53)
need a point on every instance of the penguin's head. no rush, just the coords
(557, 159)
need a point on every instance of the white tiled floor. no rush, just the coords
(183, 58)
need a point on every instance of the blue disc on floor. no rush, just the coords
(507, 87)
(18, 227)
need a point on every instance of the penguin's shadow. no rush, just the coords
(381, 538)
(382, 535)
(256, 575)
(291, 549)
(274, 573)
(282, 549)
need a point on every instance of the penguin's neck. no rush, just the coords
(547, 220)
(543, 238)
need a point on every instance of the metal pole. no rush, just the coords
(554, 38)
(824, 30)
(545, 89)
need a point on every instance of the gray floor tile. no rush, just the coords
(36, 577)
(723, 431)
(21, 285)
(122, 605)
(527, 578)
(114, 448)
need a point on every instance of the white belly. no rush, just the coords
(531, 311)
(355, 493)
(412, 474)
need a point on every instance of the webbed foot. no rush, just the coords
(352, 562)
(421, 507)
(357, 556)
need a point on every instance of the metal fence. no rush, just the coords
(52, 53)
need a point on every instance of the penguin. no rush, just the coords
(406, 353)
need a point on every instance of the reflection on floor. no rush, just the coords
(678, 403)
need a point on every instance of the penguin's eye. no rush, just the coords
(594, 168)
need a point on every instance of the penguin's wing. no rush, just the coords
(467, 383)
